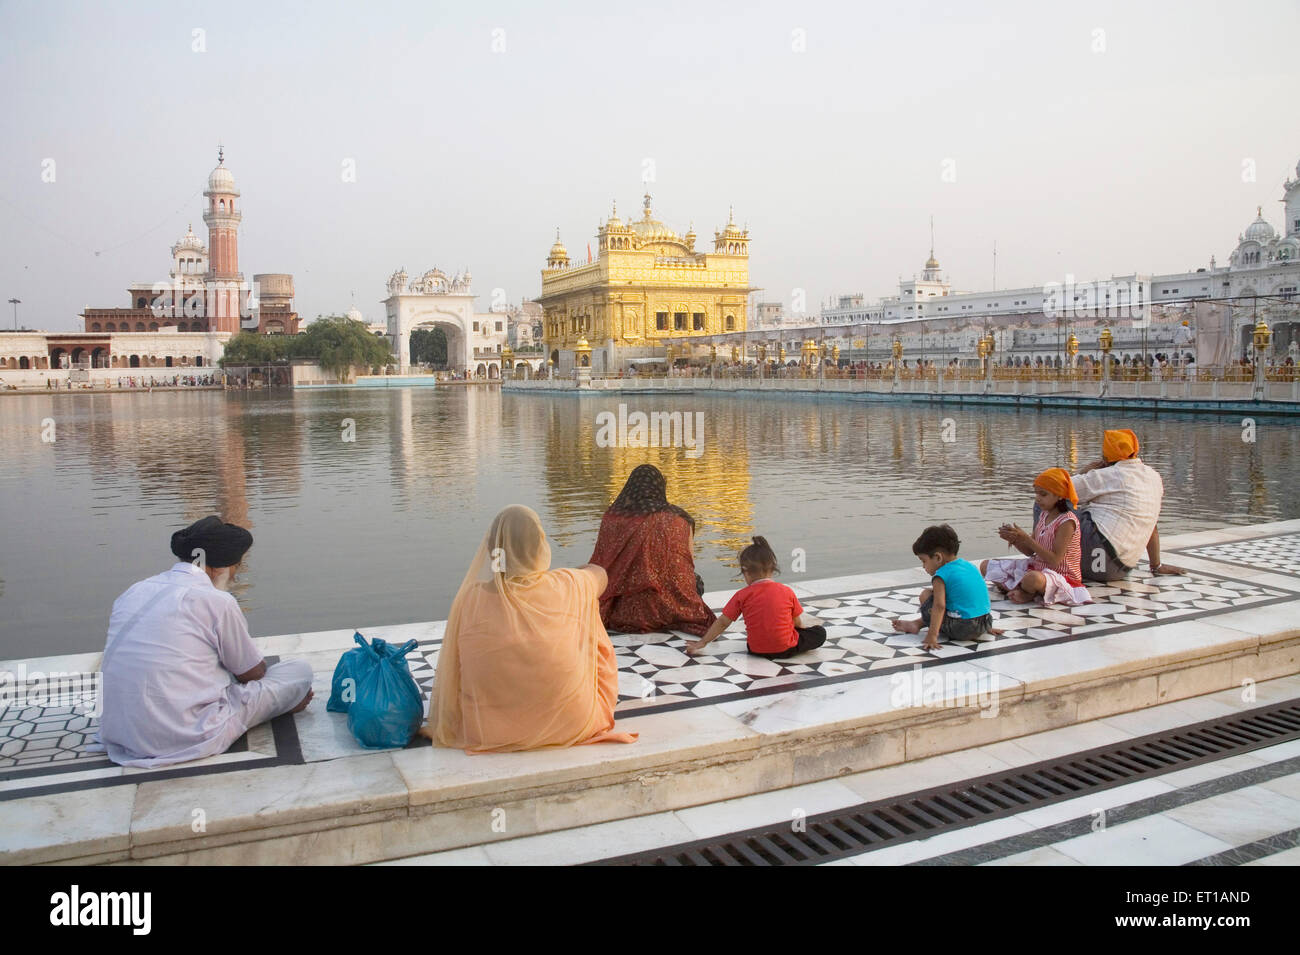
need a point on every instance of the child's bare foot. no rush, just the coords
(907, 626)
(1018, 596)
(305, 700)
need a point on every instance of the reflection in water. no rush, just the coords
(380, 529)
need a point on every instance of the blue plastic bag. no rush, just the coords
(351, 667)
(387, 710)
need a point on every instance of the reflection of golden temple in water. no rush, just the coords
(714, 487)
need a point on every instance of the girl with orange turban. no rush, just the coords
(1052, 569)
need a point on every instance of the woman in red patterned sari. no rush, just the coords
(645, 547)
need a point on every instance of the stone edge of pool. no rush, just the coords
(390, 804)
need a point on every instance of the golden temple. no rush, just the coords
(647, 296)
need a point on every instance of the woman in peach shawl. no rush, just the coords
(525, 661)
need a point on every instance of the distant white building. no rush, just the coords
(524, 324)
(1263, 274)
(772, 315)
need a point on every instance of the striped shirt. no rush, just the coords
(1045, 536)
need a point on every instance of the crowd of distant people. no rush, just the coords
(175, 381)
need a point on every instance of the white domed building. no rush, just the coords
(379, 329)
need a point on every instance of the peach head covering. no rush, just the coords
(525, 662)
(1057, 481)
(1119, 445)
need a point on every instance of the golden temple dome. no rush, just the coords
(558, 251)
(732, 230)
(651, 229)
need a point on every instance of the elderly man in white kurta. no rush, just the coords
(182, 678)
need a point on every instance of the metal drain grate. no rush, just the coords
(919, 815)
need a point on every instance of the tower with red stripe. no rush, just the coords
(224, 281)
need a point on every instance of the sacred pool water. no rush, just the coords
(366, 505)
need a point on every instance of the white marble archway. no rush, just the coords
(454, 314)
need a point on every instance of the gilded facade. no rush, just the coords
(647, 288)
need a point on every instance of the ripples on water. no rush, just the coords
(381, 530)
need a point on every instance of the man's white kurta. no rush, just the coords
(1124, 501)
(170, 692)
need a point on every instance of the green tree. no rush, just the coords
(255, 349)
(338, 343)
(429, 345)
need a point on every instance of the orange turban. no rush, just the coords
(1119, 445)
(1057, 481)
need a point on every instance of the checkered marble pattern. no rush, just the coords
(656, 674)
(1279, 554)
(55, 735)
(49, 722)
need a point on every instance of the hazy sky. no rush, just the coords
(1075, 159)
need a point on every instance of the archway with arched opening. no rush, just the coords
(408, 310)
(135, 361)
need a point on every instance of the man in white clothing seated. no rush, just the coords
(1119, 506)
(182, 678)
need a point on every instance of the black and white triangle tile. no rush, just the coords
(1277, 553)
(656, 674)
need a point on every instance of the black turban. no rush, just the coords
(223, 545)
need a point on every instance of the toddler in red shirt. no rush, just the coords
(771, 610)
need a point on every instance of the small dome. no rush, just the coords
(222, 181)
(558, 251)
(1259, 230)
(732, 231)
(189, 242)
(931, 262)
(614, 221)
(354, 313)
